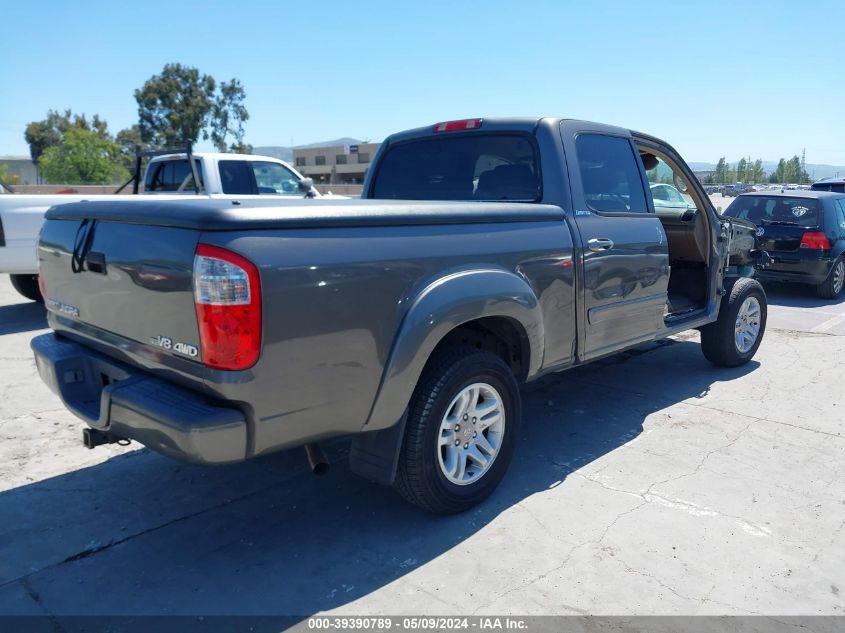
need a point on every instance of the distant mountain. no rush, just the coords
(286, 153)
(338, 141)
(276, 151)
(816, 171)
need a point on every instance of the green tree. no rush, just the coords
(84, 157)
(758, 174)
(720, 173)
(180, 105)
(49, 132)
(741, 169)
(5, 177)
(228, 117)
(130, 143)
(779, 173)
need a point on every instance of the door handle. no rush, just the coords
(600, 244)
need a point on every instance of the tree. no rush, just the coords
(181, 105)
(228, 117)
(740, 170)
(130, 143)
(83, 157)
(720, 173)
(5, 177)
(49, 132)
(758, 174)
(779, 173)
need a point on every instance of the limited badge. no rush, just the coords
(799, 211)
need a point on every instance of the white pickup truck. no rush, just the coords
(170, 176)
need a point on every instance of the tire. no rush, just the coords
(720, 341)
(27, 285)
(831, 287)
(451, 375)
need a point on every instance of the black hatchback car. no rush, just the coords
(803, 232)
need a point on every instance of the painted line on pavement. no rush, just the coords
(825, 326)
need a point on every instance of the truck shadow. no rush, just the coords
(22, 317)
(140, 534)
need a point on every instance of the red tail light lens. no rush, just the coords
(815, 240)
(227, 294)
(41, 285)
(454, 126)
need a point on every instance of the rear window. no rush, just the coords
(838, 187)
(763, 210)
(468, 167)
(172, 176)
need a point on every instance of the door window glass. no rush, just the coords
(275, 179)
(841, 215)
(610, 174)
(235, 177)
(663, 181)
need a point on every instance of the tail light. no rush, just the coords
(815, 240)
(454, 126)
(227, 294)
(41, 287)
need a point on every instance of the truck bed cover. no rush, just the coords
(226, 215)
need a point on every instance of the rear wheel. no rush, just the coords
(734, 338)
(27, 285)
(831, 287)
(463, 422)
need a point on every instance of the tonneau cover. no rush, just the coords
(223, 215)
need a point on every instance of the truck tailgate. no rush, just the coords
(129, 280)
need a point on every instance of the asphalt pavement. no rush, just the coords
(648, 483)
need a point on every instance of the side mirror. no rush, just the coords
(306, 186)
(680, 184)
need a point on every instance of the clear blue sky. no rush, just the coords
(712, 78)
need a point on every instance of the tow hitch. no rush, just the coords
(93, 438)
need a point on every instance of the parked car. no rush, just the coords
(214, 333)
(168, 176)
(739, 188)
(829, 184)
(803, 232)
(668, 197)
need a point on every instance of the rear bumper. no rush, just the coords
(796, 269)
(129, 403)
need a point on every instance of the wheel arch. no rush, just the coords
(492, 309)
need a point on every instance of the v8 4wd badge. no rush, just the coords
(165, 342)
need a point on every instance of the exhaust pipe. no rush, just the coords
(317, 459)
(94, 437)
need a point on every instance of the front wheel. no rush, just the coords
(463, 423)
(734, 338)
(831, 287)
(27, 285)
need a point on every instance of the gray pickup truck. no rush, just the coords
(485, 254)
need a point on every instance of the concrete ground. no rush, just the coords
(648, 483)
